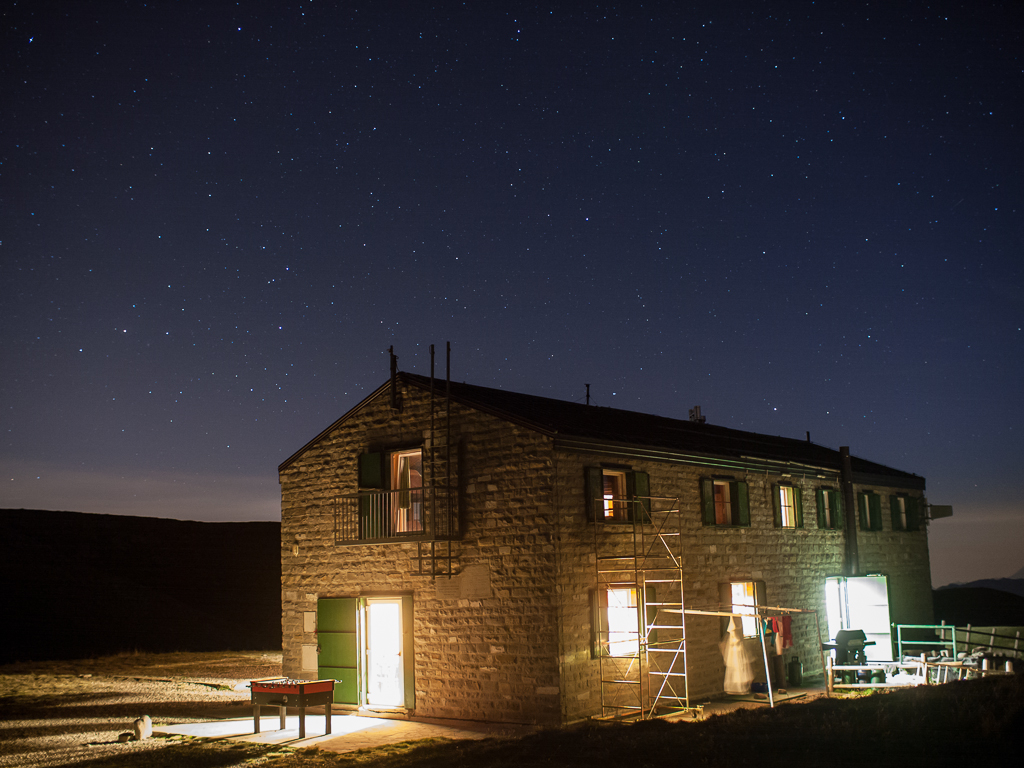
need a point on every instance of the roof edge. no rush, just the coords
(337, 423)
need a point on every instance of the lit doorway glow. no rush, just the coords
(861, 602)
(385, 679)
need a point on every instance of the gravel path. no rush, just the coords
(62, 713)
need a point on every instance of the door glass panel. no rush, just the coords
(861, 602)
(385, 683)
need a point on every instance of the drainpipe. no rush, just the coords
(851, 565)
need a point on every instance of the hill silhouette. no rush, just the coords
(79, 585)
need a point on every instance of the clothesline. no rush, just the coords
(759, 610)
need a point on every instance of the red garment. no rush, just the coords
(787, 631)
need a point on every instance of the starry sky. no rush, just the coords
(216, 217)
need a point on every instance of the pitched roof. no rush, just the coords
(629, 432)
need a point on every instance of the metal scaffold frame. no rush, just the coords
(646, 675)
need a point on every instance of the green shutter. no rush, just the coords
(638, 491)
(913, 519)
(741, 504)
(371, 470)
(338, 647)
(836, 503)
(593, 487)
(408, 652)
(862, 510)
(875, 511)
(819, 498)
(707, 500)
(798, 505)
(894, 513)
(777, 505)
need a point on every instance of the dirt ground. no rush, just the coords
(69, 712)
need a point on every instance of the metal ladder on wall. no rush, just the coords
(647, 678)
(437, 557)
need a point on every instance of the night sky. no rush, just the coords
(215, 218)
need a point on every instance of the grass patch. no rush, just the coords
(961, 723)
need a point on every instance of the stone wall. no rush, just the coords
(492, 656)
(793, 564)
(518, 648)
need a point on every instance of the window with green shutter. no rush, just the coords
(724, 502)
(829, 515)
(904, 513)
(869, 509)
(617, 495)
(787, 506)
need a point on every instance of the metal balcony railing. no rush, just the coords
(416, 514)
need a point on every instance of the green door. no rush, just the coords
(338, 638)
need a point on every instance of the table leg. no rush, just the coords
(327, 709)
(302, 722)
(256, 718)
(284, 715)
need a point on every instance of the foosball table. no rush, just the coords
(283, 692)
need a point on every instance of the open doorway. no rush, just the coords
(385, 677)
(861, 602)
(365, 644)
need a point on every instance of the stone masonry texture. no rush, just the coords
(522, 653)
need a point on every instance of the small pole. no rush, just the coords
(588, 393)
(764, 652)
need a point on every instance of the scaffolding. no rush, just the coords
(639, 570)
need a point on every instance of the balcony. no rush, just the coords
(375, 517)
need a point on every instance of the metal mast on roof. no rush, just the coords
(442, 519)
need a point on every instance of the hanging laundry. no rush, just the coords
(739, 667)
(787, 631)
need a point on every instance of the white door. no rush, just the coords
(385, 678)
(861, 602)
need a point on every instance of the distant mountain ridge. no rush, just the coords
(79, 585)
(1013, 585)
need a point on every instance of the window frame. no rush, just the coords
(759, 594)
(386, 517)
(601, 642)
(739, 499)
(635, 502)
(903, 512)
(829, 506)
(779, 508)
(869, 510)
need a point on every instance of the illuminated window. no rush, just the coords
(614, 494)
(623, 631)
(407, 491)
(828, 509)
(724, 502)
(616, 622)
(617, 495)
(391, 493)
(788, 507)
(743, 597)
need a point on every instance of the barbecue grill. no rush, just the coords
(282, 692)
(849, 646)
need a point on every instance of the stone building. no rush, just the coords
(455, 551)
